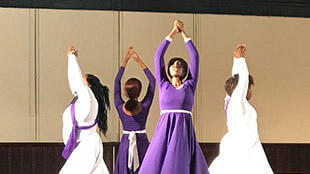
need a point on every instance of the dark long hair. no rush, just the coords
(183, 64)
(101, 93)
(232, 82)
(132, 91)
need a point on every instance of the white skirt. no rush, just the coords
(87, 157)
(240, 155)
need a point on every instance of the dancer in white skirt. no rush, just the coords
(87, 111)
(241, 151)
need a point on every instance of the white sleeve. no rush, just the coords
(78, 86)
(168, 38)
(187, 39)
(75, 77)
(240, 92)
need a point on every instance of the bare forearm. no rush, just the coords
(125, 61)
(124, 64)
(172, 33)
(139, 61)
(142, 65)
(185, 35)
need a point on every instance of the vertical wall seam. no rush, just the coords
(32, 75)
(36, 73)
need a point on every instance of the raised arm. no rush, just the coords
(239, 67)
(160, 71)
(118, 101)
(151, 88)
(78, 86)
(194, 59)
(75, 77)
(117, 87)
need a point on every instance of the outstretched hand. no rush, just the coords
(72, 50)
(240, 51)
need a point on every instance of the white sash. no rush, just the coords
(133, 157)
(175, 110)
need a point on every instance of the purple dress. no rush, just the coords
(132, 123)
(174, 148)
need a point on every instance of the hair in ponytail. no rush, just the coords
(101, 93)
(132, 91)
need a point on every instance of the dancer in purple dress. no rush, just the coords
(174, 148)
(133, 115)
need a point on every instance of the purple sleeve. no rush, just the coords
(194, 63)
(151, 88)
(117, 87)
(160, 63)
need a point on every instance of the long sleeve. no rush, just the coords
(240, 92)
(78, 86)
(117, 87)
(75, 77)
(194, 63)
(151, 88)
(160, 63)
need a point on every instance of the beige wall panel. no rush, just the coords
(17, 75)
(95, 35)
(278, 58)
(145, 31)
